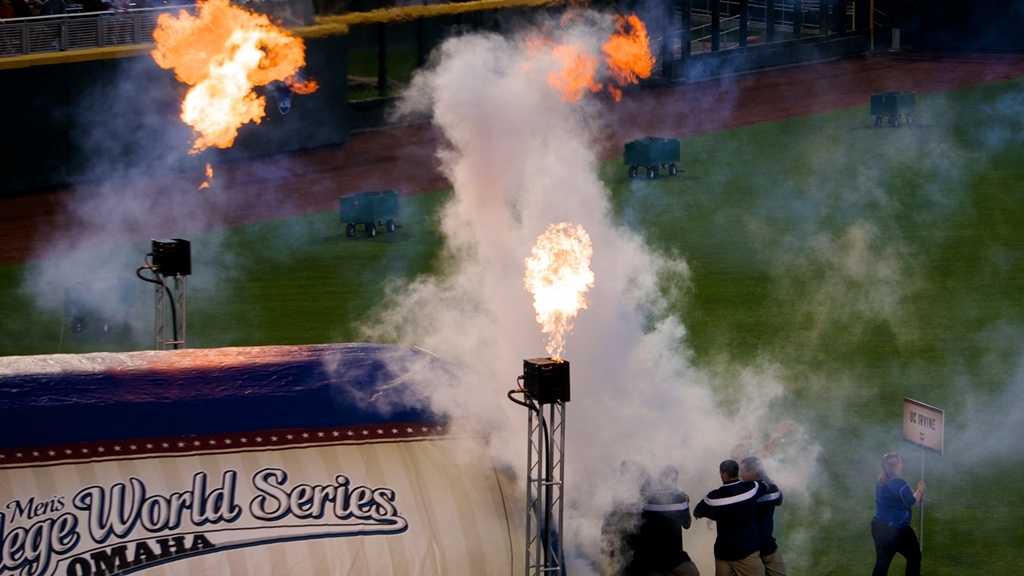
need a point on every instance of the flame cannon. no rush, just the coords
(652, 155)
(558, 275)
(544, 388)
(168, 259)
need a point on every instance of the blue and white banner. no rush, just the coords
(408, 506)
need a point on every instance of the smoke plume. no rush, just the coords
(521, 158)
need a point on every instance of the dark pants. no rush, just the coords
(891, 541)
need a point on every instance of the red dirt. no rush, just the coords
(403, 157)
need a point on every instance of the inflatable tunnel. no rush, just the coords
(281, 460)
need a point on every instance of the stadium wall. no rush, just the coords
(739, 60)
(88, 120)
(76, 121)
(976, 26)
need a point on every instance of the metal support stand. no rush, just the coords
(382, 60)
(545, 466)
(421, 43)
(839, 24)
(871, 25)
(744, 22)
(545, 391)
(163, 325)
(685, 39)
(798, 18)
(716, 25)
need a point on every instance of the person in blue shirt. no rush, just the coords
(890, 527)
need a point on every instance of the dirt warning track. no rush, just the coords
(404, 157)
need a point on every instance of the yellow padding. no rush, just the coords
(406, 13)
(43, 58)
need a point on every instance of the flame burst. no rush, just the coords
(575, 74)
(209, 177)
(223, 53)
(628, 53)
(627, 57)
(558, 275)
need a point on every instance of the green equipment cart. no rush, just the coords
(895, 107)
(652, 155)
(371, 210)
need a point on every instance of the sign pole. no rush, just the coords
(922, 500)
(871, 23)
(924, 426)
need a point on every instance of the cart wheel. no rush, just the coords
(633, 171)
(878, 121)
(371, 230)
(391, 226)
(909, 120)
(672, 169)
(350, 230)
(652, 172)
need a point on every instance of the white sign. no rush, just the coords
(390, 508)
(923, 424)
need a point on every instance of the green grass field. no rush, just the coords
(868, 264)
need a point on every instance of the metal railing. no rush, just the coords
(76, 31)
(701, 35)
(62, 32)
(757, 11)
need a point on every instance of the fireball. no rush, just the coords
(628, 53)
(223, 53)
(576, 72)
(626, 56)
(558, 275)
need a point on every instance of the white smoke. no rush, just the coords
(520, 158)
(984, 426)
(863, 275)
(140, 183)
(91, 257)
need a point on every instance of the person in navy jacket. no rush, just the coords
(751, 470)
(646, 538)
(733, 507)
(890, 527)
(666, 513)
